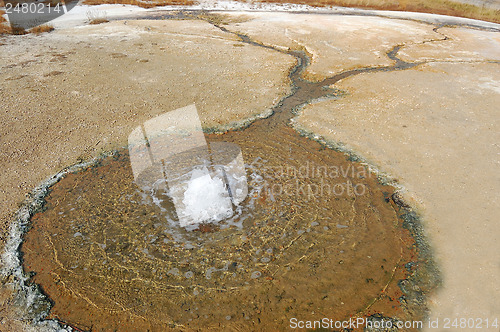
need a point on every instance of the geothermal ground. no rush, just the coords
(416, 99)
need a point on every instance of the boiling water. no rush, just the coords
(315, 236)
(316, 233)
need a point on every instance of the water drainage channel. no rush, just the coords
(318, 236)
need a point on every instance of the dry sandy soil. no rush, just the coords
(116, 76)
(434, 127)
(69, 95)
(335, 43)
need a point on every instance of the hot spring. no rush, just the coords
(242, 230)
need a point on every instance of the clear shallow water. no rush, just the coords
(111, 255)
(105, 252)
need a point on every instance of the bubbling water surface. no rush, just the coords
(314, 230)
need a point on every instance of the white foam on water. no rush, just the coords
(206, 199)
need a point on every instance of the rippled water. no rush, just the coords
(103, 246)
(317, 236)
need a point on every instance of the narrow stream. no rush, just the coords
(317, 236)
(304, 91)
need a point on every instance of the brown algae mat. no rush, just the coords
(318, 236)
(308, 245)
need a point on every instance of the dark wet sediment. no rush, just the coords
(108, 260)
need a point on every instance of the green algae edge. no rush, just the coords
(424, 274)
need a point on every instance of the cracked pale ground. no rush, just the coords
(435, 127)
